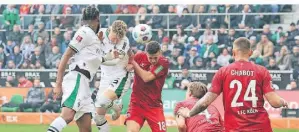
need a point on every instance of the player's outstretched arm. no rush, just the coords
(275, 100)
(146, 76)
(203, 103)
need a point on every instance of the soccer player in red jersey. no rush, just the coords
(151, 70)
(243, 85)
(207, 121)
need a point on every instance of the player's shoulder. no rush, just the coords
(85, 30)
(163, 60)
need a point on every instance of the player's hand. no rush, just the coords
(183, 111)
(284, 104)
(57, 91)
(113, 54)
(100, 36)
(129, 67)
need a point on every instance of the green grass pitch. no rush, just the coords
(43, 128)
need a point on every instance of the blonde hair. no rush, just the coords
(197, 89)
(119, 28)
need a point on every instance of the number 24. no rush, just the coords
(250, 88)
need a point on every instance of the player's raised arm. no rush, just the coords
(160, 66)
(273, 98)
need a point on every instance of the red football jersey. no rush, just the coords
(149, 93)
(207, 121)
(243, 85)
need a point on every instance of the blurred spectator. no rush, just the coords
(212, 21)
(213, 65)
(293, 85)
(222, 36)
(37, 56)
(230, 19)
(27, 47)
(172, 18)
(292, 33)
(51, 105)
(59, 36)
(35, 97)
(25, 65)
(45, 48)
(67, 39)
(66, 7)
(199, 20)
(54, 22)
(223, 58)
(3, 57)
(165, 51)
(191, 43)
(25, 9)
(76, 9)
(295, 62)
(207, 33)
(257, 58)
(141, 17)
(53, 57)
(193, 55)
(160, 36)
(232, 36)
(245, 20)
(181, 64)
(249, 32)
(129, 20)
(10, 65)
(195, 33)
(180, 35)
(178, 45)
(284, 59)
(174, 56)
(253, 43)
(31, 32)
(198, 65)
(265, 47)
(132, 9)
(16, 57)
(24, 82)
(38, 65)
(66, 20)
(267, 32)
(10, 81)
(272, 65)
(9, 47)
(16, 35)
(281, 42)
(155, 20)
(40, 16)
(11, 17)
(165, 41)
(184, 20)
(278, 34)
(41, 33)
(209, 47)
(183, 81)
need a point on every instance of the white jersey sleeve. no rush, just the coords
(81, 39)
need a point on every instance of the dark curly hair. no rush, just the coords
(90, 13)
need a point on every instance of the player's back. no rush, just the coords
(243, 85)
(206, 121)
(122, 47)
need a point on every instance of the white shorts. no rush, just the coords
(77, 94)
(118, 84)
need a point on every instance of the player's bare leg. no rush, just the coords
(66, 116)
(132, 126)
(84, 123)
(105, 103)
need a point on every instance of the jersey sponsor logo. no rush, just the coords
(79, 38)
(159, 69)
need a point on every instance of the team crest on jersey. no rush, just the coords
(79, 38)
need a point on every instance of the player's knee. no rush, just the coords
(104, 102)
(99, 119)
(110, 93)
(67, 118)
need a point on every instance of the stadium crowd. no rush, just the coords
(36, 36)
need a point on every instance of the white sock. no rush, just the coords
(57, 125)
(102, 123)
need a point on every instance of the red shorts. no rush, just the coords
(154, 116)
